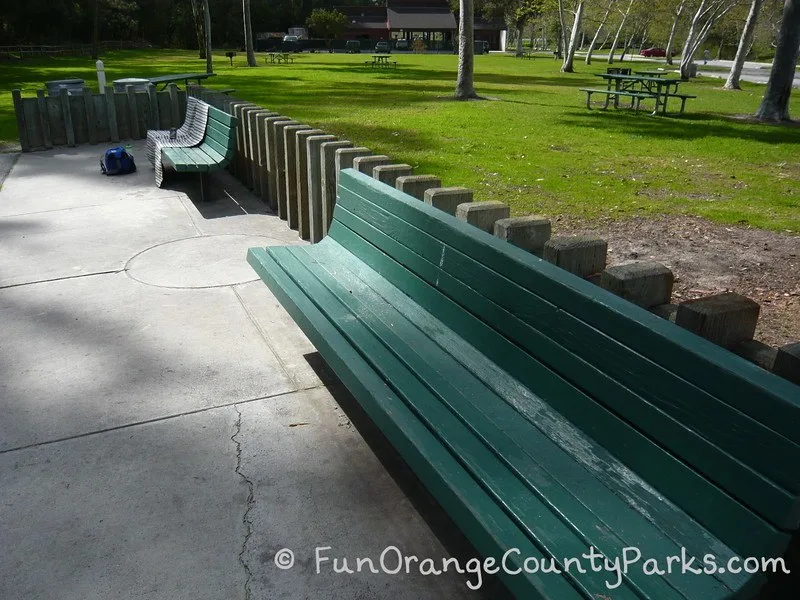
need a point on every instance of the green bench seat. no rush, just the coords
(636, 97)
(544, 414)
(214, 152)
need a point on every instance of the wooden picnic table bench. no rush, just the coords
(652, 73)
(545, 414)
(214, 152)
(278, 57)
(660, 89)
(636, 97)
(380, 60)
(184, 77)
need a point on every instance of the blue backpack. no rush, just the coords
(117, 161)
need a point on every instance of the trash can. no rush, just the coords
(692, 70)
(73, 86)
(139, 85)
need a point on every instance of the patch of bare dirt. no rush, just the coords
(708, 258)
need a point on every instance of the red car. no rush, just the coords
(655, 52)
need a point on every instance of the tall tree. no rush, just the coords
(566, 67)
(465, 83)
(708, 14)
(596, 35)
(745, 43)
(775, 105)
(517, 13)
(207, 28)
(619, 32)
(327, 24)
(198, 29)
(248, 34)
(674, 29)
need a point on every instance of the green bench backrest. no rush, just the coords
(715, 434)
(220, 135)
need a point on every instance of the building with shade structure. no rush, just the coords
(433, 22)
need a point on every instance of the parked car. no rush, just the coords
(290, 43)
(655, 52)
(383, 48)
(352, 47)
(402, 45)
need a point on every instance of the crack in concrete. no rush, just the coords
(248, 524)
(157, 419)
(64, 278)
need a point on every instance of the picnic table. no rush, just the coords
(381, 60)
(651, 73)
(185, 77)
(279, 57)
(640, 87)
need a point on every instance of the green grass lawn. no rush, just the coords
(533, 144)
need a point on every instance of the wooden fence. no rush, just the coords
(68, 120)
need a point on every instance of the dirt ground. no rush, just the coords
(708, 258)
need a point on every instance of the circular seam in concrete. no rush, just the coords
(197, 262)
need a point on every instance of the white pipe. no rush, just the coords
(101, 76)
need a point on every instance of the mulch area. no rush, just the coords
(708, 258)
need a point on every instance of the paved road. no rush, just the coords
(754, 72)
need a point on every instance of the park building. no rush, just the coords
(433, 22)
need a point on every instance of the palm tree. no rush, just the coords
(248, 34)
(465, 84)
(207, 27)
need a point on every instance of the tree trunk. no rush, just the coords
(593, 43)
(615, 42)
(562, 33)
(627, 46)
(520, 51)
(775, 105)
(248, 34)
(95, 29)
(721, 44)
(619, 32)
(207, 31)
(708, 14)
(674, 30)
(745, 42)
(573, 40)
(465, 83)
(687, 55)
(198, 28)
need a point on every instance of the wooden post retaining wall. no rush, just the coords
(45, 121)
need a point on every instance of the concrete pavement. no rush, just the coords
(167, 429)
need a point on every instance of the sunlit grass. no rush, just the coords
(532, 144)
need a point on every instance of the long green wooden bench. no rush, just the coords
(545, 414)
(214, 152)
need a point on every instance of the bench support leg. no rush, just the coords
(203, 185)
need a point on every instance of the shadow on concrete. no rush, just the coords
(440, 523)
(225, 196)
